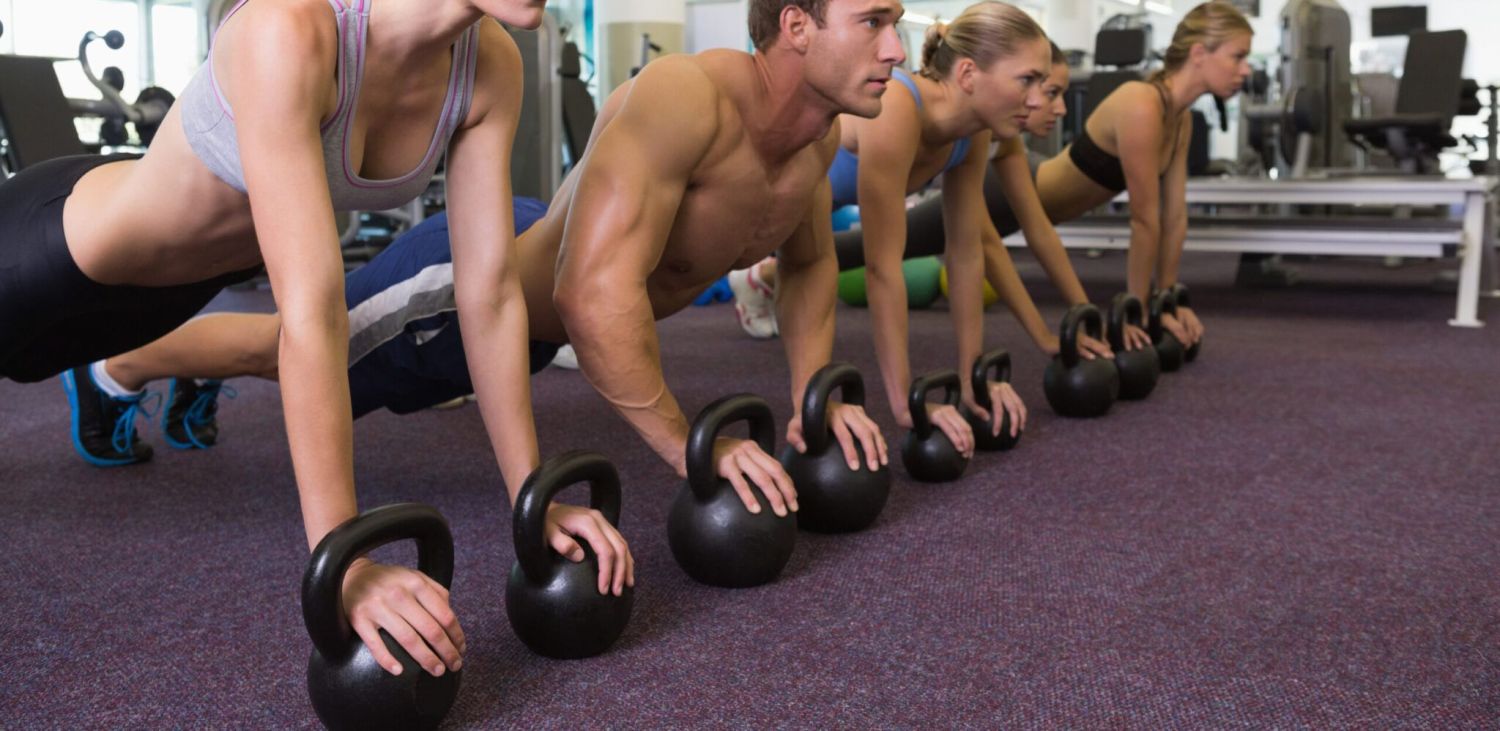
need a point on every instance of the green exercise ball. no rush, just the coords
(852, 287)
(922, 281)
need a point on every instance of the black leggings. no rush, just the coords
(924, 223)
(52, 316)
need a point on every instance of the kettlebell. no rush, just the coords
(1180, 295)
(554, 604)
(926, 451)
(1074, 386)
(711, 534)
(1168, 347)
(349, 690)
(998, 362)
(1139, 369)
(831, 498)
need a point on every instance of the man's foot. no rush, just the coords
(192, 409)
(103, 426)
(755, 303)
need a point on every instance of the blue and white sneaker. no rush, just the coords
(103, 426)
(191, 419)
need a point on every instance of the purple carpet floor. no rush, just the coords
(1298, 531)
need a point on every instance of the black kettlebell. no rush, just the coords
(831, 498)
(1180, 295)
(1168, 347)
(998, 362)
(926, 451)
(349, 690)
(1139, 369)
(712, 536)
(1074, 386)
(554, 604)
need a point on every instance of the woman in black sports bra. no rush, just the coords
(1136, 140)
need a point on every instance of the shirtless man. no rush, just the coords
(699, 165)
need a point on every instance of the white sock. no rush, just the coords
(107, 384)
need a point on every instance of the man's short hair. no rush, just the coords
(765, 18)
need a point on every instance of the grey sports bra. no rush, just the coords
(209, 123)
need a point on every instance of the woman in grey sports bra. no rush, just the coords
(303, 107)
(1146, 126)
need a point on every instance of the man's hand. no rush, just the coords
(850, 425)
(737, 459)
(952, 424)
(1010, 402)
(408, 605)
(567, 523)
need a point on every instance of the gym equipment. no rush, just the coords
(1428, 98)
(990, 295)
(831, 498)
(145, 114)
(711, 534)
(922, 277)
(845, 218)
(349, 690)
(536, 167)
(1316, 85)
(996, 361)
(554, 604)
(719, 291)
(1168, 347)
(1139, 369)
(1181, 298)
(1074, 386)
(926, 451)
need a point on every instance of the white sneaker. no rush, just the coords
(566, 358)
(755, 303)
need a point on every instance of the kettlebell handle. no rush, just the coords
(702, 476)
(846, 380)
(323, 584)
(917, 399)
(529, 529)
(1162, 302)
(1083, 314)
(1180, 295)
(1124, 309)
(997, 361)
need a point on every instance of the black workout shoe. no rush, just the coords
(190, 421)
(104, 426)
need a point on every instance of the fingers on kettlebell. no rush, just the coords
(426, 631)
(369, 633)
(766, 478)
(845, 438)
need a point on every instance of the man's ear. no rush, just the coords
(796, 25)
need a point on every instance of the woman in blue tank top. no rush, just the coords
(303, 107)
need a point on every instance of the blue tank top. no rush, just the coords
(209, 124)
(843, 175)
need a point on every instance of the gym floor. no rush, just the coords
(1297, 531)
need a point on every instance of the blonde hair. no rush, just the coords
(1211, 24)
(984, 32)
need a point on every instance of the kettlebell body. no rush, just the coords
(998, 361)
(1141, 368)
(1076, 387)
(712, 536)
(554, 604)
(348, 688)
(926, 451)
(1168, 348)
(831, 498)
(1183, 299)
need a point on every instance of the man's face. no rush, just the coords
(519, 13)
(1043, 120)
(849, 59)
(1010, 90)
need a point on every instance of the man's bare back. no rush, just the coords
(738, 205)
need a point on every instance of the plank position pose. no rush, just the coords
(699, 164)
(304, 107)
